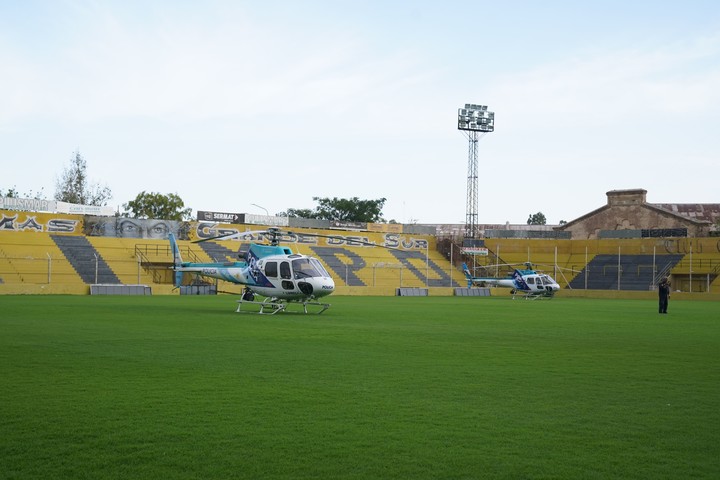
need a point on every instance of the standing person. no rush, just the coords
(664, 294)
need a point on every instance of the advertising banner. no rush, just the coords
(64, 207)
(220, 217)
(482, 251)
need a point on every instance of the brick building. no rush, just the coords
(628, 214)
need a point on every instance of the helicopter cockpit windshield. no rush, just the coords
(547, 280)
(308, 267)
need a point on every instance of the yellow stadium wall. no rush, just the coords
(26, 250)
(566, 258)
(26, 246)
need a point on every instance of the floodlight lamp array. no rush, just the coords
(476, 118)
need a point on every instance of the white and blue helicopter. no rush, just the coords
(271, 271)
(523, 282)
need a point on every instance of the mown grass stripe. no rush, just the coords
(376, 387)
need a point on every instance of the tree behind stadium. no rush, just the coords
(158, 206)
(343, 209)
(73, 185)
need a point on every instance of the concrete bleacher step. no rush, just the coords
(357, 267)
(342, 270)
(221, 253)
(85, 259)
(636, 271)
(33, 259)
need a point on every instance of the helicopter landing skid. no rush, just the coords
(531, 296)
(271, 307)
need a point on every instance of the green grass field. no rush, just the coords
(108, 387)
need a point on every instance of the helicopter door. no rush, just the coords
(286, 275)
(531, 283)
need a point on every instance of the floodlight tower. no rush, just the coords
(474, 120)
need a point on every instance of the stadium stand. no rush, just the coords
(33, 258)
(121, 256)
(85, 259)
(221, 253)
(367, 266)
(636, 272)
(345, 264)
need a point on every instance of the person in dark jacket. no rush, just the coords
(664, 294)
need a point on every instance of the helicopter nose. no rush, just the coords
(317, 287)
(325, 287)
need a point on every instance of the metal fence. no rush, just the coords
(50, 270)
(59, 270)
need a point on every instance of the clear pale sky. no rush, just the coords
(235, 103)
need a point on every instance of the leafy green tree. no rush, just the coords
(299, 213)
(158, 206)
(73, 186)
(350, 209)
(343, 209)
(536, 219)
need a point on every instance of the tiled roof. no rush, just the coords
(705, 212)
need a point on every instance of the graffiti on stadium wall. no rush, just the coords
(39, 222)
(206, 230)
(124, 227)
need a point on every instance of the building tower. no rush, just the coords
(474, 121)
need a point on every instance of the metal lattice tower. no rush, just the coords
(475, 121)
(471, 205)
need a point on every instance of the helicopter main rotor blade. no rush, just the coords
(230, 236)
(276, 235)
(340, 237)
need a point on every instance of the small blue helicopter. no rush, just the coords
(526, 282)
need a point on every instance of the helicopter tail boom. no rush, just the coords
(468, 275)
(177, 260)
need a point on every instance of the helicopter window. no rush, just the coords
(531, 280)
(285, 270)
(316, 263)
(271, 269)
(304, 268)
(547, 280)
